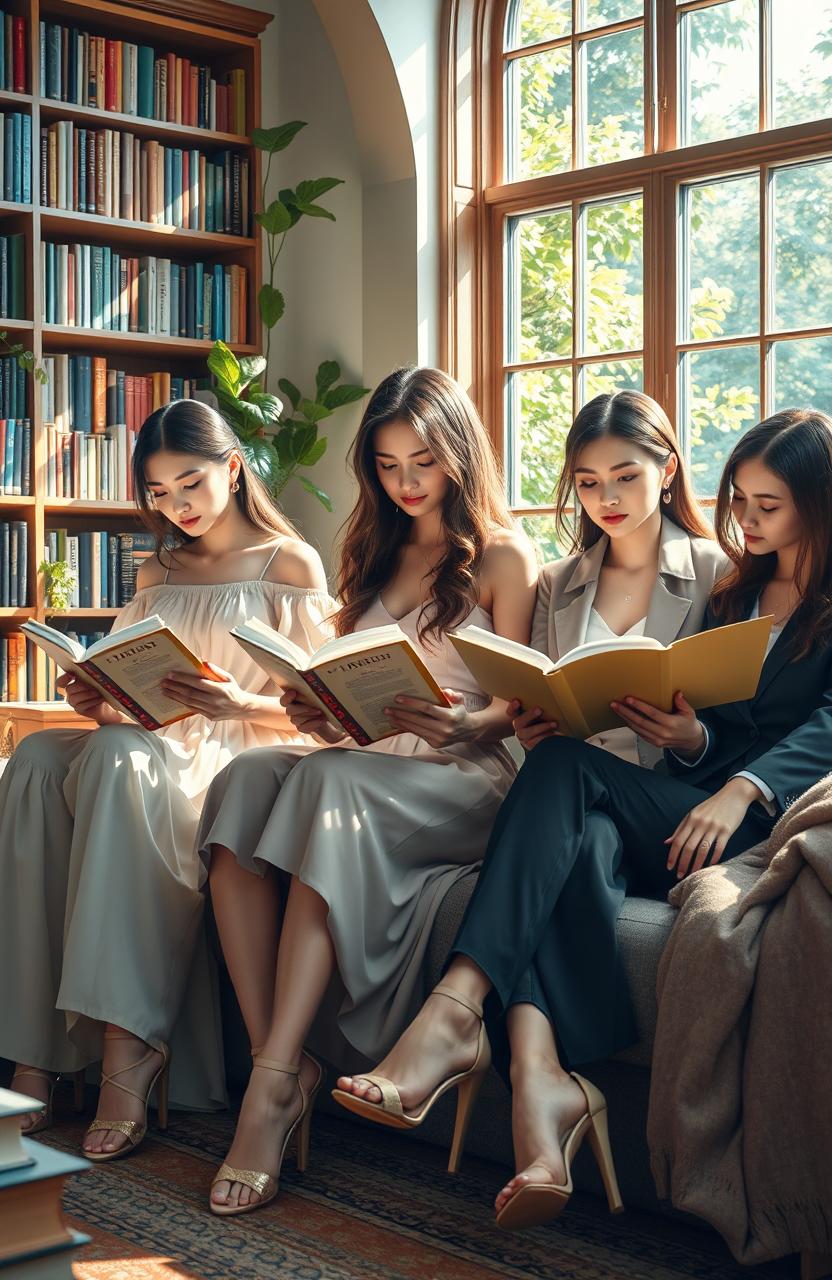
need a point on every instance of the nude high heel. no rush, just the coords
(264, 1184)
(467, 1084)
(539, 1202)
(44, 1120)
(133, 1130)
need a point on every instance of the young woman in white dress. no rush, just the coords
(373, 837)
(101, 891)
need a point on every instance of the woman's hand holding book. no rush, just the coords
(678, 730)
(217, 696)
(438, 726)
(307, 718)
(532, 726)
(88, 701)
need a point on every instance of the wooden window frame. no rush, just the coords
(476, 202)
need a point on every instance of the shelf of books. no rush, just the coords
(127, 246)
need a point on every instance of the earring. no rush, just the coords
(666, 496)
(235, 488)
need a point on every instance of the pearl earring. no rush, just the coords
(666, 496)
(235, 488)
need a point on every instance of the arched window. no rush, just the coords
(639, 193)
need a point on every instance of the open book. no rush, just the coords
(710, 668)
(127, 667)
(351, 679)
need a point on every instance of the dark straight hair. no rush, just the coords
(635, 417)
(189, 426)
(795, 444)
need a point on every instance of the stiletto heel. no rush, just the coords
(539, 1202)
(133, 1131)
(78, 1078)
(390, 1111)
(264, 1184)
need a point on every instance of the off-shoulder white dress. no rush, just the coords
(380, 832)
(101, 890)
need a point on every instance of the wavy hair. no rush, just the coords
(189, 426)
(795, 444)
(635, 417)
(447, 423)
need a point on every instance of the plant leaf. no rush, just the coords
(328, 373)
(278, 138)
(322, 497)
(314, 210)
(263, 460)
(225, 366)
(313, 411)
(270, 406)
(336, 397)
(250, 368)
(314, 454)
(271, 304)
(290, 390)
(276, 219)
(287, 197)
(309, 191)
(303, 438)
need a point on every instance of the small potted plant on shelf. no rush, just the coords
(280, 441)
(59, 583)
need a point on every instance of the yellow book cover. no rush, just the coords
(711, 668)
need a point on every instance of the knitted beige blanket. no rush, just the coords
(740, 1120)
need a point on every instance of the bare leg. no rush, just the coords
(113, 1103)
(33, 1082)
(545, 1101)
(441, 1040)
(305, 964)
(247, 911)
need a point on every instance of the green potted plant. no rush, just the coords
(59, 583)
(279, 441)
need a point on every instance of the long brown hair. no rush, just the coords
(632, 416)
(447, 423)
(189, 426)
(796, 444)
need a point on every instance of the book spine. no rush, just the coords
(346, 721)
(132, 708)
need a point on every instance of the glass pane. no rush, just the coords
(801, 374)
(802, 61)
(540, 310)
(614, 87)
(610, 376)
(540, 113)
(718, 72)
(598, 13)
(540, 415)
(611, 235)
(803, 246)
(541, 530)
(722, 243)
(720, 400)
(533, 21)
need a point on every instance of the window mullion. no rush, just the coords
(578, 238)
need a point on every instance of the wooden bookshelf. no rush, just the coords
(224, 35)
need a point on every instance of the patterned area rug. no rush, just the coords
(373, 1206)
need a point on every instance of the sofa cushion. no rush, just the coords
(643, 929)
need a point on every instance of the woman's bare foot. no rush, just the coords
(271, 1104)
(441, 1040)
(545, 1104)
(122, 1051)
(33, 1082)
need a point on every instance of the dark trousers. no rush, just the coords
(579, 829)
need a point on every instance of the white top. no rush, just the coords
(622, 741)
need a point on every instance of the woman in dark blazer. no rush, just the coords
(580, 827)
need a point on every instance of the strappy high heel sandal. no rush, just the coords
(467, 1083)
(539, 1202)
(44, 1120)
(133, 1130)
(264, 1184)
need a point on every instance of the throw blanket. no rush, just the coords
(740, 1120)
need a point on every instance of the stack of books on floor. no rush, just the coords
(12, 53)
(116, 75)
(83, 393)
(15, 457)
(16, 157)
(14, 546)
(35, 1241)
(17, 667)
(12, 286)
(94, 287)
(104, 564)
(116, 175)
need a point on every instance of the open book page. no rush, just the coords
(507, 669)
(62, 649)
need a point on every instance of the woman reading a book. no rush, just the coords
(101, 892)
(373, 837)
(581, 827)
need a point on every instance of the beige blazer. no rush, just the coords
(688, 569)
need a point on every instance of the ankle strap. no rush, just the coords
(442, 990)
(271, 1065)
